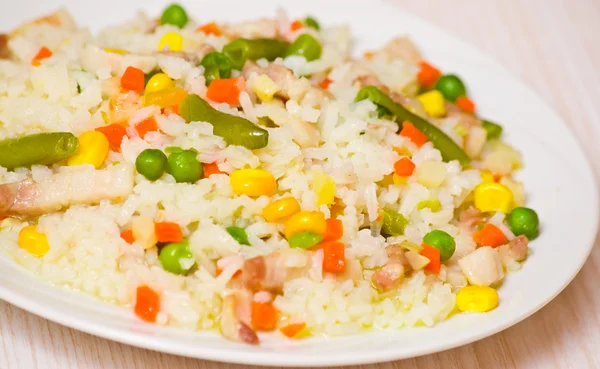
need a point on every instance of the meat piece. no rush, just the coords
(402, 48)
(4, 50)
(482, 267)
(305, 134)
(70, 186)
(266, 273)
(517, 248)
(122, 106)
(235, 318)
(470, 217)
(389, 276)
(60, 19)
(270, 272)
(267, 28)
(392, 273)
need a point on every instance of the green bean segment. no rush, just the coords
(493, 130)
(242, 49)
(393, 223)
(234, 130)
(239, 234)
(448, 148)
(216, 65)
(37, 149)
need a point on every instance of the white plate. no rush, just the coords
(558, 178)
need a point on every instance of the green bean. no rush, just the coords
(312, 23)
(393, 223)
(216, 65)
(493, 130)
(242, 49)
(448, 148)
(238, 234)
(37, 149)
(234, 130)
(307, 46)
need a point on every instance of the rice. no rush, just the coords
(315, 131)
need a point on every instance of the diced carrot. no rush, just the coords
(210, 169)
(433, 255)
(114, 133)
(466, 104)
(292, 330)
(490, 235)
(411, 132)
(147, 303)
(2, 217)
(226, 90)
(264, 316)
(324, 84)
(428, 74)
(133, 79)
(296, 25)
(334, 259)
(128, 236)
(145, 126)
(334, 230)
(168, 232)
(210, 29)
(404, 167)
(43, 53)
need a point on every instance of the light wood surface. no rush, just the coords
(554, 45)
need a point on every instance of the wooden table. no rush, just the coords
(554, 45)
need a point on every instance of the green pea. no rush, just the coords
(493, 130)
(177, 258)
(441, 241)
(393, 223)
(175, 15)
(216, 65)
(151, 163)
(307, 46)
(184, 166)
(305, 240)
(238, 234)
(312, 23)
(451, 87)
(524, 221)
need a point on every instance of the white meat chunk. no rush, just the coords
(482, 267)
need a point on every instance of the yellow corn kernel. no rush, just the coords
(476, 298)
(115, 51)
(171, 41)
(253, 182)
(402, 151)
(433, 103)
(264, 88)
(305, 221)
(32, 241)
(324, 187)
(387, 180)
(158, 82)
(399, 180)
(165, 98)
(93, 149)
(281, 209)
(493, 197)
(486, 176)
(431, 173)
